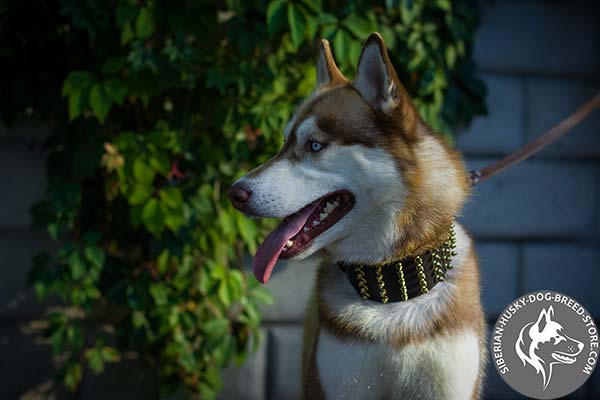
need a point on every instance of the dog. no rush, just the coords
(364, 182)
(543, 344)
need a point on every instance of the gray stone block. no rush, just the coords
(290, 286)
(536, 199)
(23, 178)
(28, 132)
(499, 265)
(247, 382)
(560, 37)
(25, 361)
(24, 305)
(17, 249)
(501, 131)
(550, 100)
(284, 379)
(594, 381)
(568, 268)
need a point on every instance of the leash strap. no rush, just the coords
(480, 175)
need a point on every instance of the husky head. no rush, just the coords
(544, 343)
(360, 176)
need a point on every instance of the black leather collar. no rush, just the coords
(405, 279)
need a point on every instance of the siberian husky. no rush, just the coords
(361, 179)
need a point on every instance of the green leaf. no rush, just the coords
(297, 24)
(359, 27)
(275, 16)
(113, 65)
(160, 293)
(248, 231)
(174, 221)
(163, 261)
(216, 327)
(171, 196)
(124, 13)
(312, 24)
(160, 163)
(76, 81)
(126, 34)
(77, 103)
(227, 222)
(152, 217)
(76, 265)
(139, 194)
(144, 23)
(262, 296)
(73, 375)
(116, 90)
(445, 5)
(95, 255)
(142, 171)
(99, 102)
(95, 360)
(224, 293)
(138, 319)
(76, 88)
(341, 46)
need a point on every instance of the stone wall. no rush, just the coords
(537, 226)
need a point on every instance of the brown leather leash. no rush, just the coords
(480, 175)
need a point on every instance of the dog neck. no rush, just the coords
(402, 279)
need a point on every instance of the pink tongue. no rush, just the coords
(269, 251)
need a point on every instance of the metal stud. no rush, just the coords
(381, 285)
(402, 281)
(362, 282)
(421, 275)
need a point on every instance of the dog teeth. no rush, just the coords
(329, 207)
(315, 222)
(323, 216)
(289, 243)
(305, 229)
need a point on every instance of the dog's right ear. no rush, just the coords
(327, 71)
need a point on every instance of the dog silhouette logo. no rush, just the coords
(543, 343)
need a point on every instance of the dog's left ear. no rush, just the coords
(376, 78)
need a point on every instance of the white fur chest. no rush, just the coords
(445, 367)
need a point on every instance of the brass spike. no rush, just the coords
(421, 275)
(402, 281)
(362, 282)
(381, 284)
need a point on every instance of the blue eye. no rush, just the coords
(314, 146)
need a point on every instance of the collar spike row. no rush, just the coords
(402, 280)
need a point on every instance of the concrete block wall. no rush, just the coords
(536, 226)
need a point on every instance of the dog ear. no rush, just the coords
(376, 78)
(543, 318)
(327, 71)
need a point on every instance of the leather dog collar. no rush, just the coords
(404, 279)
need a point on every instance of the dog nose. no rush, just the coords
(238, 195)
